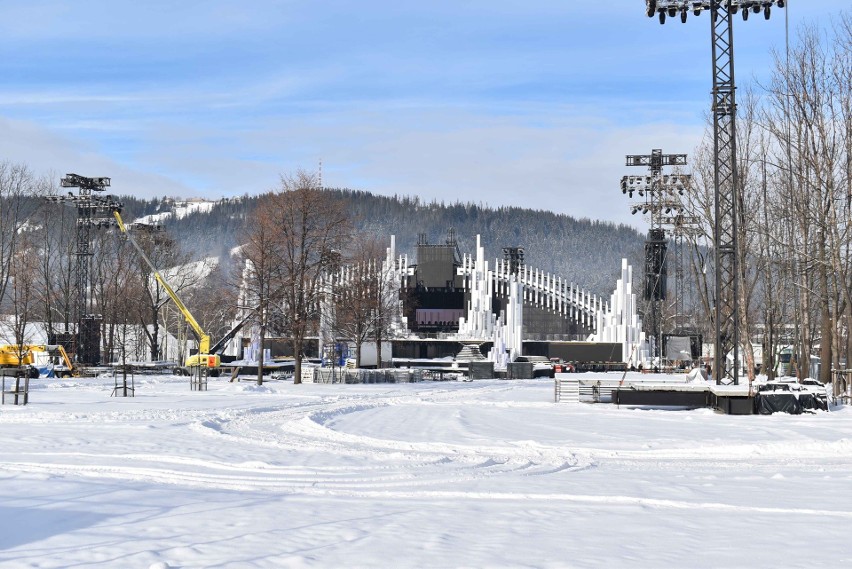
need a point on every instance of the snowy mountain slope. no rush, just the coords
(584, 251)
(179, 210)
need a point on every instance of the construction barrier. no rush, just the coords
(344, 375)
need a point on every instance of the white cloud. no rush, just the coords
(562, 163)
(500, 104)
(47, 152)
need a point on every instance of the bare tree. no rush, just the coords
(19, 199)
(794, 194)
(699, 205)
(751, 264)
(311, 228)
(259, 271)
(357, 290)
(811, 119)
(55, 270)
(22, 293)
(116, 286)
(163, 252)
(388, 300)
(213, 301)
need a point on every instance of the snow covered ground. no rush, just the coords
(446, 474)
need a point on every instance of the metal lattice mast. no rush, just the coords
(725, 196)
(83, 253)
(661, 193)
(514, 257)
(726, 189)
(93, 211)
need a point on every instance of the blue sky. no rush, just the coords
(530, 103)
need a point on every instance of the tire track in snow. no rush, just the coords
(309, 488)
(306, 429)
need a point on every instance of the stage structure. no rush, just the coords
(497, 301)
(620, 321)
(480, 321)
(727, 215)
(93, 212)
(504, 304)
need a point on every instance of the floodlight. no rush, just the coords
(766, 11)
(683, 15)
(780, 3)
(745, 14)
(756, 8)
(672, 11)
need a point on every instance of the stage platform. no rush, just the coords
(662, 391)
(726, 399)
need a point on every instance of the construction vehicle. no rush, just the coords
(204, 358)
(16, 355)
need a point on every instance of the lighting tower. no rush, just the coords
(514, 256)
(724, 162)
(93, 211)
(661, 193)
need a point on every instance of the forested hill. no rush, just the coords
(585, 252)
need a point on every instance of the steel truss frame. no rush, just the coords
(93, 211)
(726, 179)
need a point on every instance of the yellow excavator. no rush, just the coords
(16, 355)
(204, 357)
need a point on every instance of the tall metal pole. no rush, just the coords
(83, 255)
(660, 193)
(726, 192)
(725, 182)
(92, 211)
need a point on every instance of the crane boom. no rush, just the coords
(203, 338)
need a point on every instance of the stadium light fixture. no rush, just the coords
(671, 8)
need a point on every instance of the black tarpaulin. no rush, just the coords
(778, 402)
(811, 401)
(780, 399)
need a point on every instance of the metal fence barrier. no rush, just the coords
(343, 375)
